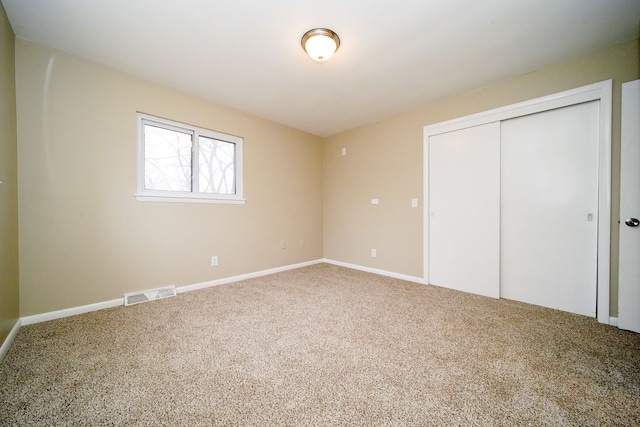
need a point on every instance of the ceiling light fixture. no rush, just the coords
(320, 43)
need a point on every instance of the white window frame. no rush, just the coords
(193, 196)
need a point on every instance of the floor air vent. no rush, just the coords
(150, 295)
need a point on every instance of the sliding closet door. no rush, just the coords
(464, 210)
(549, 212)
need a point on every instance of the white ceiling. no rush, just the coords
(394, 55)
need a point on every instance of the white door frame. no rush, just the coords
(598, 91)
(628, 269)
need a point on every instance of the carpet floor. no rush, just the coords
(322, 345)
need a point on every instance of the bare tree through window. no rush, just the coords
(183, 161)
(167, 159)
(217, 166)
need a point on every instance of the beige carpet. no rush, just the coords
(322, 345)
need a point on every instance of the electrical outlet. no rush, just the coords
(344, 151)
(214, 261)
(374, 253)
(283, 244)
(301, 244)
(375, 201)
(414, 203)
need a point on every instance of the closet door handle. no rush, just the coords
(632, 222)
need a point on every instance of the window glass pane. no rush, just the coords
(167, 159)
(217, 166)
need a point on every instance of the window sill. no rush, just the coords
(187, 199)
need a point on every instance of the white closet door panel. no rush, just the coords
(549, 210)
(464, 204)
(629, 263)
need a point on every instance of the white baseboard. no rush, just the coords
(189, 288)
(59, 314)
(377, 271)
(44, 317)
(9, 340)
(613, 321)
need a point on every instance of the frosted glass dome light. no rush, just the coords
(320, 43)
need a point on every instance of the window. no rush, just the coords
(183, 163)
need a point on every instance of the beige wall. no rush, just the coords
(83, 236)
(384, 160)
(9, 178)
